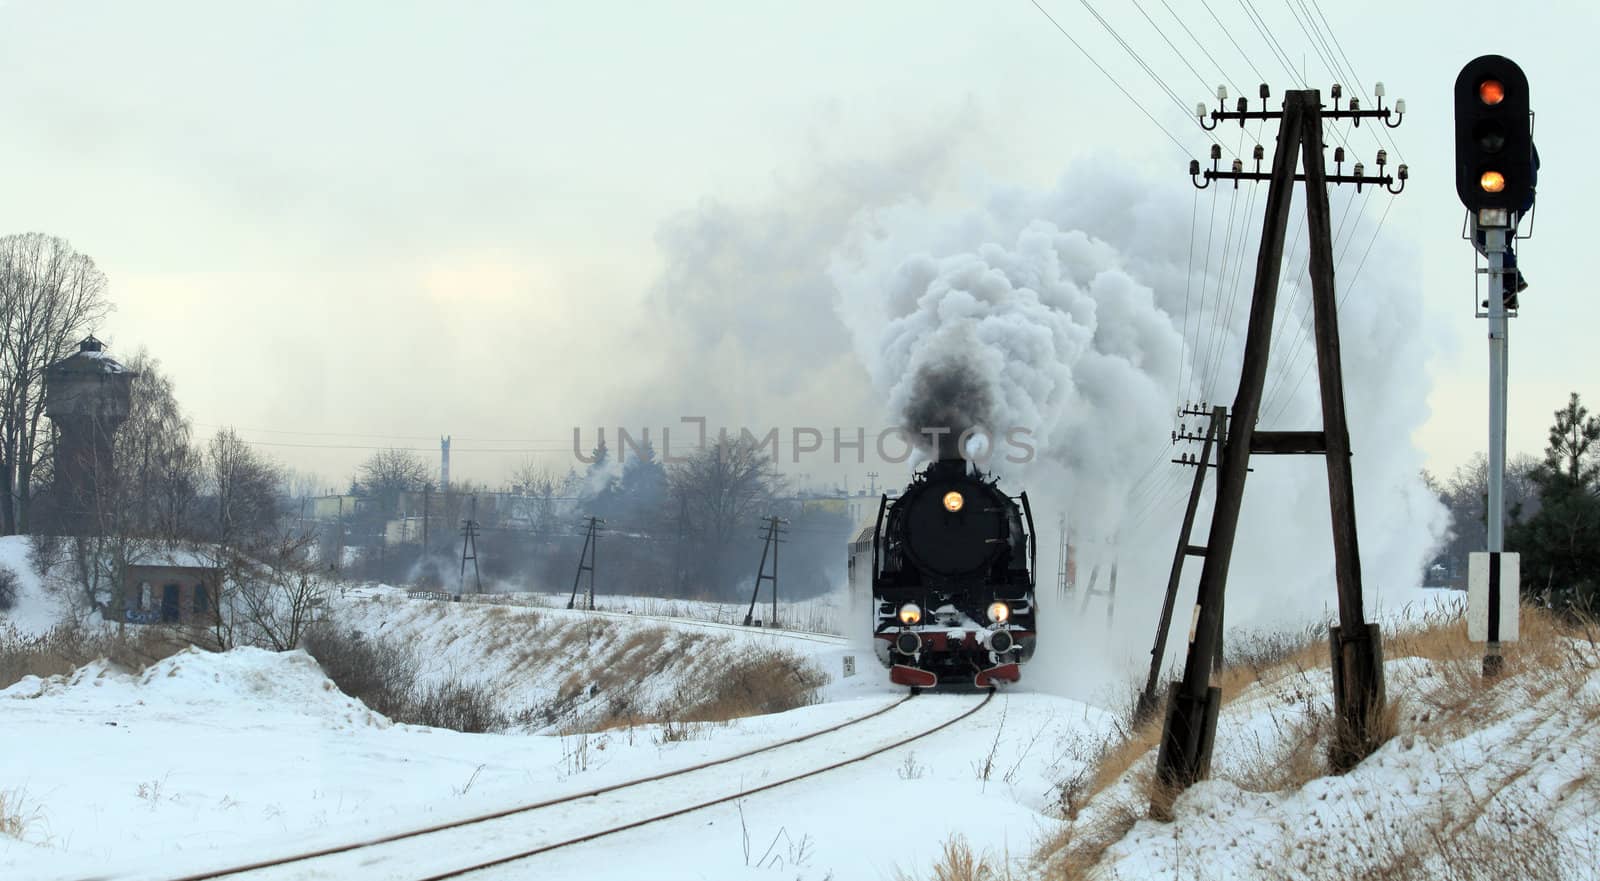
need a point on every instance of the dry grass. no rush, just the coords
(958, 862)
(1441, 695)
(70, 644)
(763, 681)
(17, 815)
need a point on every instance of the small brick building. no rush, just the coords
(163, 593)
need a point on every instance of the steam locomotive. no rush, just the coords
(949, 565)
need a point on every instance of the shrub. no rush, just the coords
(457, 707)
(69, 645)
(380, 674)
(383, 675)
(9, 588)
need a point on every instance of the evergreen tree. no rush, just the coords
(1560, 545)
(600, 482)
(643, 487)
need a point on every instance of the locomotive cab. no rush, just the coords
(951, 574)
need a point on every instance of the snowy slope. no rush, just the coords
(1479, 780)
(36, 610)
(209, 759)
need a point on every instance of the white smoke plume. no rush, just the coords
(1065, 313)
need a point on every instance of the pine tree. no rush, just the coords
(1560, 545)
(644, 484)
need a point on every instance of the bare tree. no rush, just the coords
(717, 497)
(244, 486)
(154, 458)
(389, 473)
(551, 494)
(276, 592)
(50, 296)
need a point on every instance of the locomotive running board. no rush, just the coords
(915, 677)
(1003, 673)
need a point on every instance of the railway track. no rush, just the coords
(511, 843)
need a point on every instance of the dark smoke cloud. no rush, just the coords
(947, 395)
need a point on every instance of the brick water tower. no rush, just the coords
(87, 395)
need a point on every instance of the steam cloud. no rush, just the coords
(1064, 313)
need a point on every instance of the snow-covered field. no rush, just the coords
(211, 759)
(207, 760)
(1496, 780)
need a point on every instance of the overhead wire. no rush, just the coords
(1272, 42)
(1350, 68)
(1203, 49)
(1354, 277)
(1306, 324)
(1205, 276)
(1203, 84)
(1183, 106)
(1229, 34)
(1188, 286)
(1107, 74)
(1238, 273)
(1216, 310)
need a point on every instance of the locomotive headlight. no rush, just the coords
(999, 612)
(910, 613)
(953, 501)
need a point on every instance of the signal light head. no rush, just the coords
(1492, 182)
(1491, 92)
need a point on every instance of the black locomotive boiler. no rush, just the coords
(950, 565)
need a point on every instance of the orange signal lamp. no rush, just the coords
(1491, 92)
(1492, 182)
(953, 501)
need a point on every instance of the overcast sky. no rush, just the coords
(371, 223)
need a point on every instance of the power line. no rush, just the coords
(1272, 42)
(1352, 71)
(1205, 276)
(1205, 86)
(1353, 278)
(1229, 34)
(1203, 48)
(1113, 79)
(1188, 285)
(256, 443)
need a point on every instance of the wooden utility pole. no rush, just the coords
(1184, 756)
(469, 548)
(427, 498)
(770, 541)
(1216, 433)
(1064, 566)
(1109, 591)
(586, 558)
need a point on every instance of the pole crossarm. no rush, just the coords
(1386, 181)
(1289, 443)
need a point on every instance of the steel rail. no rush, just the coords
(520, 809)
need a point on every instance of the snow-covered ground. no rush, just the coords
(36, 609)
(1480, 781)
(211, 759)
(206, 760)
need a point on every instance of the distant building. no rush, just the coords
(179, 589)
(87, 396)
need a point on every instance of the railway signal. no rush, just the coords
(1496, 170)
(1495, 166)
